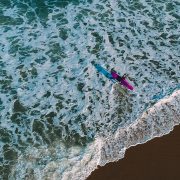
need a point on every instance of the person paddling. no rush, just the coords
(121, 79)
(117, 77)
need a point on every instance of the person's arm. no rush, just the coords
(124, 76)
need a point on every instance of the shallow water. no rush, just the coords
(56, 110)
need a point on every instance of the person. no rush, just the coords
(116, 76)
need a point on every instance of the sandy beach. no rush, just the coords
(157, 159)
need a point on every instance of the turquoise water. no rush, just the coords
(53, 103)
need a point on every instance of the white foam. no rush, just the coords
(110, 35)
(57, 162)
(153, 123)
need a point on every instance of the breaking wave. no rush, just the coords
(77, 164)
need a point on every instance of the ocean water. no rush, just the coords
(60, 118)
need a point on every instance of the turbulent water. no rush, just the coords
(60, 118)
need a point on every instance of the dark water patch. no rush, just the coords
(176, 16)
(170, 6)
(50, 117)
(164, 35)
(111, 40)
(5, 3)
(41, 10)
(6, 135)
(63, 34)
(5, 171)
(56, 52)
(17, 118)
(6, 20)
(136, 5)
(34, 72)
(80, 87)
(9, 158)
(38, 127)
(5, 82)
(9, 153)
(22, 7)
(74, 139)
(59, 105)
(31, 17)
(60, 68)
(23, 74)
(72, 78)
(174, 42)
(63, 4)
(18, 107)
(78, 119)
(57, 131)
(1, 105)
(59, 96)
(41, 60)
(47, 94)
(174, 36)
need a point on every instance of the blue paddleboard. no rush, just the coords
(109, 76)
(104, 72)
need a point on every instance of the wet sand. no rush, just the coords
(158, 159)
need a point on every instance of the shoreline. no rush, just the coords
(156, 159)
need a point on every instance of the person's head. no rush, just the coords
(112, 70)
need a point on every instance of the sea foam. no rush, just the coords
(76, 164)
(59, 116)
(157, 121)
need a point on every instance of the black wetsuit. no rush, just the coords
(119, 78)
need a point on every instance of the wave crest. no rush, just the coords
(157, 121)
